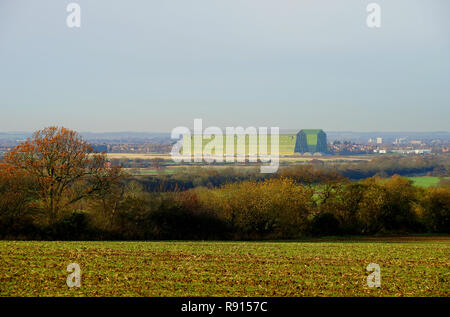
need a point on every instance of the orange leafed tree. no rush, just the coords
(63, 166)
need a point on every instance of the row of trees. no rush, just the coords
(54, 187)
(283, 208)
(190, 177)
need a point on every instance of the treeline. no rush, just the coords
(389, 165)
(386, 166)
(190, 177)
(53, 186)
(276, 208)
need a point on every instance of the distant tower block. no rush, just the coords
(311, 140)
(379, 140)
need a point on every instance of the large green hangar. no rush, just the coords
(311, 141)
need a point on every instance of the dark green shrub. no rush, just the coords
(176, 223)
(325, 224)
(388, 206)
(435, 210)
(73, 227)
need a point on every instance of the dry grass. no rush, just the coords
(291, 158)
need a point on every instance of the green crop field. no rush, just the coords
(409, 267)
(425, 181)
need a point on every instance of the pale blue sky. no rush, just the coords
(153, 65)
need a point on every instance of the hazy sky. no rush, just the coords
(152, 65)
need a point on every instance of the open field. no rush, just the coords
(409, 267)
(287, 158)
(425, 181)
(326, 158)
(142, 156)
(172, 167)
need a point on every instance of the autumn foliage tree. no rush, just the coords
(63, 168)
(15, 198)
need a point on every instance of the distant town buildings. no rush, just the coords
(378, 140)
(399, 141)
(306, 141)
(350, 148)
